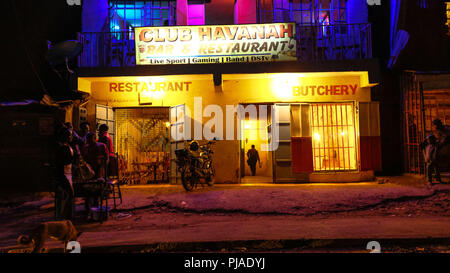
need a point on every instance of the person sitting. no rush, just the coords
(96, 155)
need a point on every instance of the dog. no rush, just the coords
(58, 230)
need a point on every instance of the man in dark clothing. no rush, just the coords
(432, 146)
(84, 130)
(76, 143)
(253, 157)
(64, 195)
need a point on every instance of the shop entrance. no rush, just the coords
(142, 144)
(313, 138)
(255, 132)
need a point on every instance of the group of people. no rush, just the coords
(73, 150)
(432, 146)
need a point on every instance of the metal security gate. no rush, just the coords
(315, 137)
(334, 136)
(143, 145)
(425, 97)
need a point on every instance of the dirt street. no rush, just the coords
(164, 216)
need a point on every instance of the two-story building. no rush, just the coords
(422, 70)
(161, 72)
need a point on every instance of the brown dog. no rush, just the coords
(57, 230)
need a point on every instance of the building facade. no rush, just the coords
(423, 75)
(292, 77)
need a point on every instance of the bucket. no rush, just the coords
(99, 213)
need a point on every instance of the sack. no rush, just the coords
(86, 171)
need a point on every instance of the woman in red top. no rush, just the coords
(105, 138)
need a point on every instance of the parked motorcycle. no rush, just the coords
(195, 165)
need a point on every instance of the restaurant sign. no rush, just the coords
(216, 44)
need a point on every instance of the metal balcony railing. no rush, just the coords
(318, 43)
(107, 49)
(315, 43)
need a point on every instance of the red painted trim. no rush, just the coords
(302, 155)
(370, 150)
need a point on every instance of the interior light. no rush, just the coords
(317, 136)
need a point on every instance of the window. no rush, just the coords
(282, 11)
(447, 11)
(333, 136)
(424, 4)
(124, 15)
(304, 12)
(332, 11)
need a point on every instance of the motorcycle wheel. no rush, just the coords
(210, 181)
(211, 178)
(188, 181)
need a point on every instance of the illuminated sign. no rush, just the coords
(216, 44)
(149, 86)
(325, 90)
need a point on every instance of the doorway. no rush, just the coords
(254, 131)
(142, 144)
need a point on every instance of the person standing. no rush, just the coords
(84, 130)
(432, 145)
(64, 194)
(105, 138)
(253, 158)
(76, 142)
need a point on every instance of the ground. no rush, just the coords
(403, 213)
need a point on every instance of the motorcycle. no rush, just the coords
(195, 165)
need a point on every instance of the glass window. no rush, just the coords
(304, 12)
(124, 15)
(447, 4)
(333, 136)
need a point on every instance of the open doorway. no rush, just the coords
(254, 132)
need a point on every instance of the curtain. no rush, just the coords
(399, 37)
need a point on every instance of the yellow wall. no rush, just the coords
(235, 89)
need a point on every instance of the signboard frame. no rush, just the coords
(206, 44)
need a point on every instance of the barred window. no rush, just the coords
(333, 136)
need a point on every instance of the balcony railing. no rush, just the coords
(107, 49)
(318, 43)
(315, 43)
